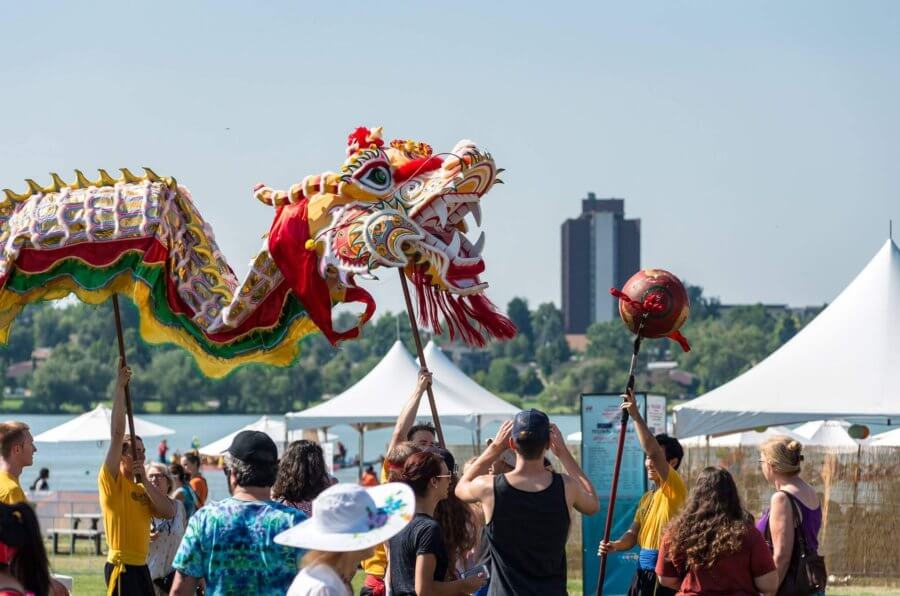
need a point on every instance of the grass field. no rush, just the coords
(87, 571)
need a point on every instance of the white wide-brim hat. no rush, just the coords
(348, 517)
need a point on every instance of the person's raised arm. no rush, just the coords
(469, 488)
(117, 424)
(585, 500)
(648, 442)
(408, 415)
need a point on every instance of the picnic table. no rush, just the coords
(93, 533)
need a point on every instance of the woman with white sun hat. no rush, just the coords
(347, 522)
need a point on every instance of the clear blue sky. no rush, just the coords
(758, 142)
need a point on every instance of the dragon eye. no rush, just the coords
(377, 178)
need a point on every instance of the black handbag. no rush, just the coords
(806, 573)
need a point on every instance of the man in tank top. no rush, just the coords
(526, 511)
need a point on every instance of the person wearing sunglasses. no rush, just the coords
(418, 560)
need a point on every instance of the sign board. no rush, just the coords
(600, 423)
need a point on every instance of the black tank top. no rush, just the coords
(527, 540)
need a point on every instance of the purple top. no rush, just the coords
(809, 525)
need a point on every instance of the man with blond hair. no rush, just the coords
(17, 450)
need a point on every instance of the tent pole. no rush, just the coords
(123, 362)
(415, 332)
(478, 435)
(362, 447)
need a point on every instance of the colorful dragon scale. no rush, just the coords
(142, 237)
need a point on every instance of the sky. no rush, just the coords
(758, 142)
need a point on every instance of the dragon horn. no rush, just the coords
(128, 176)
(151, 175)
(58, 183)
(34, 187)
(13, 196)
(105, 179)
(81, 180)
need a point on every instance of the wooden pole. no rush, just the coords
(124, 362)
(619, 448)
(421, 353)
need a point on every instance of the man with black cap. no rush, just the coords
(230, 543)
(527, 510)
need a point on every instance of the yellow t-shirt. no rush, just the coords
(126, 516)
(377, 564)
(10, 491)
(657, 508)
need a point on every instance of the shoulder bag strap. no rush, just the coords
(798, 529)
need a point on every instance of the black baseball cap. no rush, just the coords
(531, 425)
(254, 446)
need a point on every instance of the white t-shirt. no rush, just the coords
(318, 580)
(162, 550)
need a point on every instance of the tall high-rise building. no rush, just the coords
(600, 249)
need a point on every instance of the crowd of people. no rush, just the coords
(417, 526)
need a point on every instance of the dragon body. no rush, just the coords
(143, 237)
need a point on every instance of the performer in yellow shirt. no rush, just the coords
(128, 506)
(17, 448)
(17, 451)
(656, 508)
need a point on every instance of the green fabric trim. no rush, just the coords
(153, 276)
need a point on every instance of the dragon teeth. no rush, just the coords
(475, 210)
(478, 246)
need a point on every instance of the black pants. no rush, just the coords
(134, 581)
(645, 583)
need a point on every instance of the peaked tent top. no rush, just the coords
(843, 364)
(827, 433)
(94, 426)
(377, 398)
(274, 427)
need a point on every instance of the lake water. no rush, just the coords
(74, 466)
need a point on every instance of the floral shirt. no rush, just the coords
(231, 544)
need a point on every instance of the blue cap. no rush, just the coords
(531, 425)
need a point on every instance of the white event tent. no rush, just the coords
(274, 427)
(747, 438)
(376, 400)
(843, 364)
(94, 426)
(832, 434)
(890, 438)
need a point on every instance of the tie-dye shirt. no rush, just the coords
(231, 544)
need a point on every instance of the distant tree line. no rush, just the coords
(537, 367)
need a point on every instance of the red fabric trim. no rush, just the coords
(96, 254)
(299, 265)
(682, 340)
(416, 167)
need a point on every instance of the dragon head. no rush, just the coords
(400, 205)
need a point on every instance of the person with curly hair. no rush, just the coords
(712, 547)
(302, 476)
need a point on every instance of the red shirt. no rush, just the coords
(730, 575)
